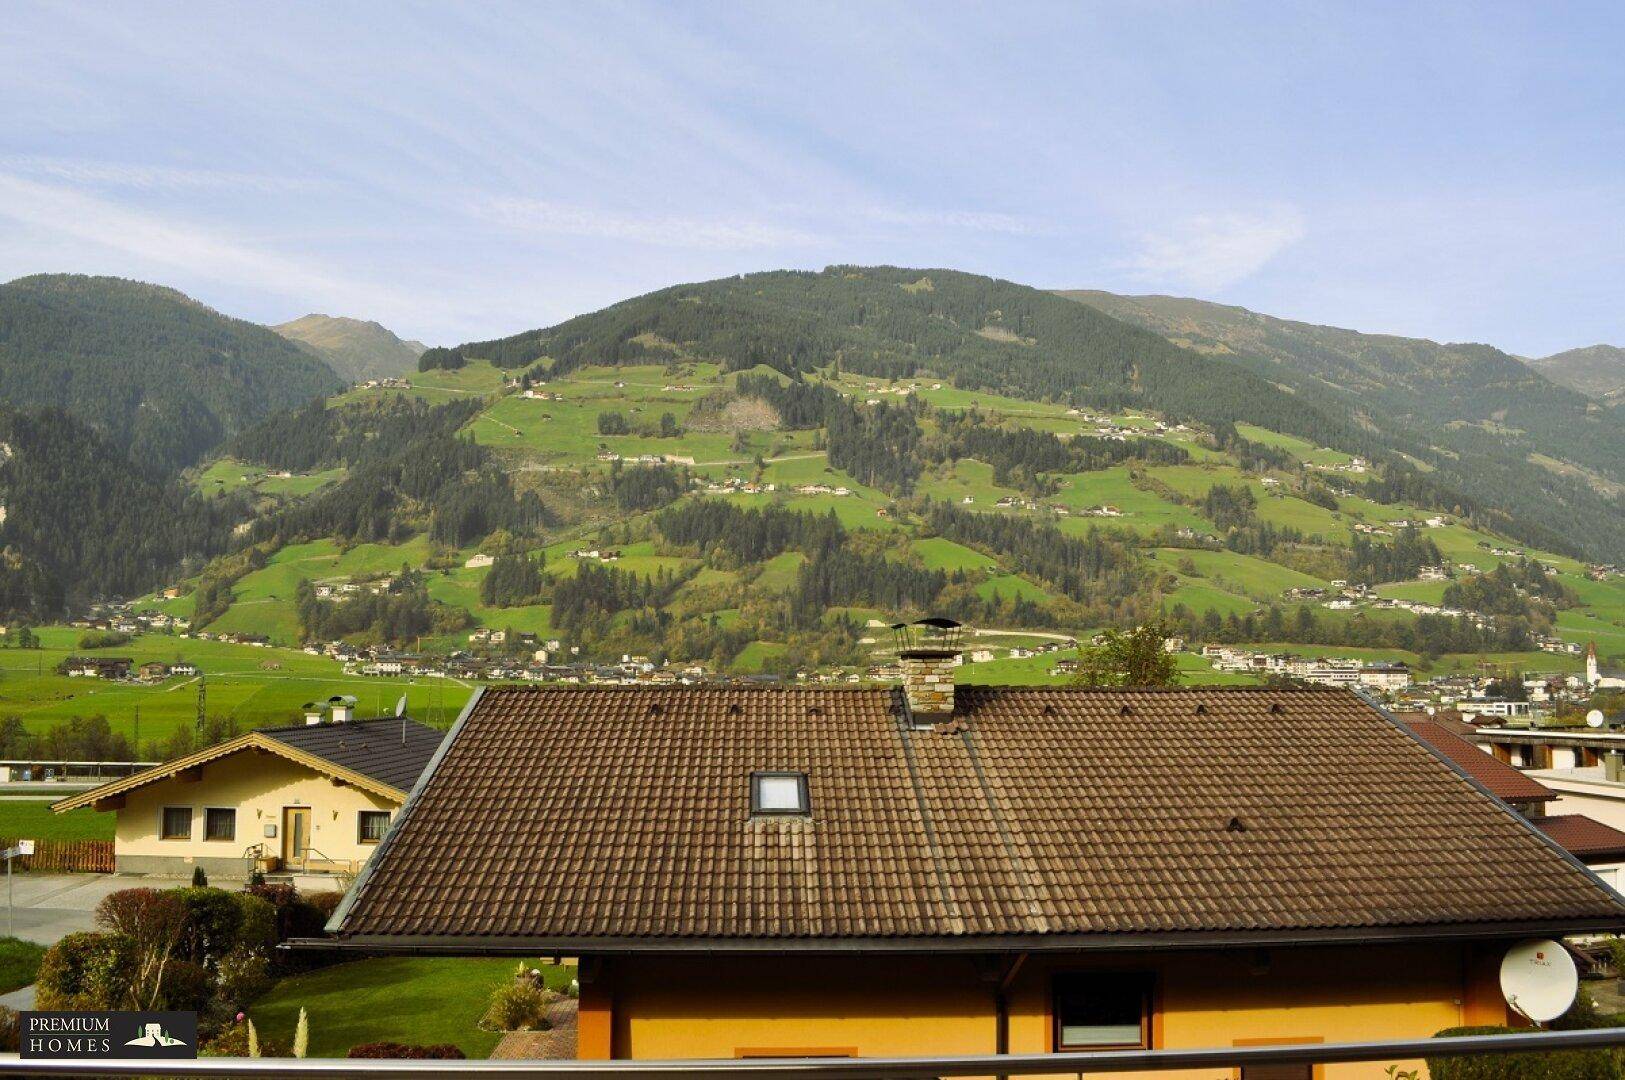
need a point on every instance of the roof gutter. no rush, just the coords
(471, 945)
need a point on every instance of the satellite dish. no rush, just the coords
(400, 706)
(1595, 718)
(1538, 979)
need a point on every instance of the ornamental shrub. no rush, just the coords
(437, 1051)
(212, 920)
(258, 927)
(1554, 1065)
(242, 975)
(233, 1041)
(187, 987)
(86, 971)
(517, 1006)
(324, 903)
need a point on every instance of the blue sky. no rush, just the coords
(470, 170)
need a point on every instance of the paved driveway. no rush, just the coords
(47, 906)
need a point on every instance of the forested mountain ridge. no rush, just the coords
(979, 332)
(1596, 370)
(355, 349)
(160, 376)
(81, 520)
(1492, 426)
(1479, 418)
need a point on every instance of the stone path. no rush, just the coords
(556, 1044)
(21, 1000)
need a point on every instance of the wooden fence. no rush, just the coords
(66, 856)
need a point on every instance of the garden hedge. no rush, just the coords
(1555, 1065)
(437, 1051)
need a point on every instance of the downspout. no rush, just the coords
(1001, 1007)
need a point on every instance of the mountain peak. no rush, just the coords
(1596, 370)
(358, 349)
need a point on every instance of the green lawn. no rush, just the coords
(256, 687)
(31, 819)
(1246, 575)
(393, 999)
(938, 553)
(19, 963)
(754, 657)
(437, 387)
(1302, 449)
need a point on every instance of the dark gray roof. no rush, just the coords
(375, 748)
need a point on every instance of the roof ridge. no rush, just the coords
(330, 724)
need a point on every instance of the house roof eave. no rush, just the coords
(252, 740)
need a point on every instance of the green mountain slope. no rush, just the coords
(1597, 370)
(81, 520)
(1489, 425)
(978, 332)
(752, 521)
(159, 375)
(357, 350)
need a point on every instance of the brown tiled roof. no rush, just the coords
(619, 817)
(1502, 780)
(1582, 836)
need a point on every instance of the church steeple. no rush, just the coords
(1593, 673)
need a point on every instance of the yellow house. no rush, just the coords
(316, 798)
(751, 871)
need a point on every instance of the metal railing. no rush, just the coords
(909, 1068)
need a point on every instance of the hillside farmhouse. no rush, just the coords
(806, 871)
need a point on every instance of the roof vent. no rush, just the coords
(1201, 709)
(1236, 825)
(815, 710)
(1049, 709)
(1275, 708)
(656, 709)
(1125, 711)
(734, 709)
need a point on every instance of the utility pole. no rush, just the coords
(138, 732)
(202, 699)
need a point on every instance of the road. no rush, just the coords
(47, 906)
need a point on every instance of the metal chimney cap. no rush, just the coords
(928, 638)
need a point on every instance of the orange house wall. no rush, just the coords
(717, 1006)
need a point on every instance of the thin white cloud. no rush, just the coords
(962, 220)
(147, 241)
(563, 219)
(152, 177)
(1211, 251)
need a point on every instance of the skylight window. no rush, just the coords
(779, 793)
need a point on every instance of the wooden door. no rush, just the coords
(295, 834)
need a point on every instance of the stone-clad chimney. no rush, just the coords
(927, 653)
(928, 681)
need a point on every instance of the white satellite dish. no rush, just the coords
(1538, 979)
(400, 706)
(1595, 718)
